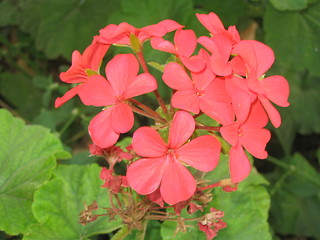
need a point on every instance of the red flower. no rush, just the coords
(249, 134)
(258, 58)
(163, 164)
(120, 34)
(201, 92)
(185, 42)
(214, 25)
(83, 66)
(123, 83)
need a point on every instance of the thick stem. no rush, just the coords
(222, 183)
(144, 107)
(122, 233)
(208, 128)
(143, 113)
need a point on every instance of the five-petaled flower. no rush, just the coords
(163, 164)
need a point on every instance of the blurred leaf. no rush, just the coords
(295, 37)
(60, 26)
(290, 5)
(9, 13)
(229, 11)
(19, 91)
(81, 158)
(179, 10)
(27, 158)
(58, 204)
(296, 199)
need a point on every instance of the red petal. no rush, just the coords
(241, 104)
(147, 142)
(142, 84)
(177, 183)
(186, 100)
(181, 129)
(175, 77)
(221, 112)
(240, 166)
(193, 63)
(272, 112)
(211, 22)
(76, 73)
(277, 90)
(97, 91)
(257, 117)
(93, 55)
(163, 45)
(255, 141)
(185, 41)
(67, 96)
(100, 130)
(202, 153)
(145, 175)
(161, 28)
(120, 71)
(122, 118)
(230, 133)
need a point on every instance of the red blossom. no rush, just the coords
(202, 91)
(185, 42)
(163, 164)
(249, 134)
(111, 181)
(123, 83)
(120, 34)
(212, 223)
(83, 66)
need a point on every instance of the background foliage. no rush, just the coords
(41, 195)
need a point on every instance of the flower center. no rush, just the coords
(172, 154)
(240, 132)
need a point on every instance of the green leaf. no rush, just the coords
(27, 158)
(179, 10)
(9, 13)
(290, 5)
(58, 204)
(296, 199)
(16, 89)
(295, 37)
(60, 26)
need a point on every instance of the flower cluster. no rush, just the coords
(225, 80)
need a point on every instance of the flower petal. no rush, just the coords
(121, 70)
(240, 166)
(272, 112)
(185, 41)
(186, 100)
(100, 130)
(145, 175)
(230, 133)
(255, 141)
(67, 96)
(277, 90)
(122, 118)
(181, 129)
(177, 183)
(175, 77)
(163, 45)
(97, 91)
(142, 84)
(202, 153)
(147, 142)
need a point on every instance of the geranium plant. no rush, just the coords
(218, 77)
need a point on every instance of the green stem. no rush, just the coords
(142, 233)
(122, 233)
(143, 113)
(292, 168)
(144, 107)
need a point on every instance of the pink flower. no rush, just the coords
(214, 25)
(163, 164)
(200, 92)
(185, 42)
(120, 34)
(258, 58)
(123, 83)
(250, 135)
(82, 67)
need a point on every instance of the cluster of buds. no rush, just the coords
(225, 80)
